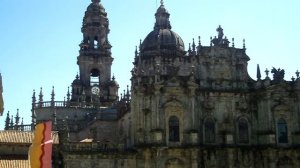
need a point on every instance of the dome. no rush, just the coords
(113, 83)
(76, 81)
(162, 37)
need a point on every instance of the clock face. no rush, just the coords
(95, 90)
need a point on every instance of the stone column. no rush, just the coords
(193, 106)
(230, 154)
(147, 157)
(194, 158)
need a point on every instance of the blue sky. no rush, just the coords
(39, 39)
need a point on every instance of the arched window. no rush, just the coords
(282, 131)
(243, 131)
(95, 77)
(209, 131)
(173, 129)
(96, 42)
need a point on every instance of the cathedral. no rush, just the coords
(186, 108)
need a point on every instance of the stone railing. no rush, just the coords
(89, 147)
(27, 127)
(51, 104)
(47, 104)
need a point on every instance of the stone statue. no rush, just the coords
(220, 41)
(278, 74)
(220, 32)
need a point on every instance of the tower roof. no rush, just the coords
(162, 37)
(95, 29)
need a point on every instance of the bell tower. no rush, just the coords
(95, 58)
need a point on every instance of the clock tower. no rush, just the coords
(94, 82)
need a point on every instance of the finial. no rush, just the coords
(96, 1)
(267, 73)
(127, 94)
(12, 121)
(244, 44)
(297, 74)
(136, 52)
(161, 2)
(210, 41)
(258, 75)
(293, 79)
(17, 118)
(7, 121)
(52, 94)
(22, 123)
(41, 95)
(33, 97)
(193, 45)
(68, 94)
(113, 77)
(190, 50)
(77, 76)
(233, 42)
(199, 41)
(140, 45)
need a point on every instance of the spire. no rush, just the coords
(17, 118)
(162, 18)
(41, 97)
(127, 93)
(68, 95)
(258, 75)
(7, 121)
(136, 52)
(33, 116)
(11, 121)
(1, 97)
(33, 97)
(194, 46)
(52, 97)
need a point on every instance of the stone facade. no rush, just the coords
(186, 108)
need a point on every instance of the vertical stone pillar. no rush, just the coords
(147, 157)
(194, 158)
(230, 154)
